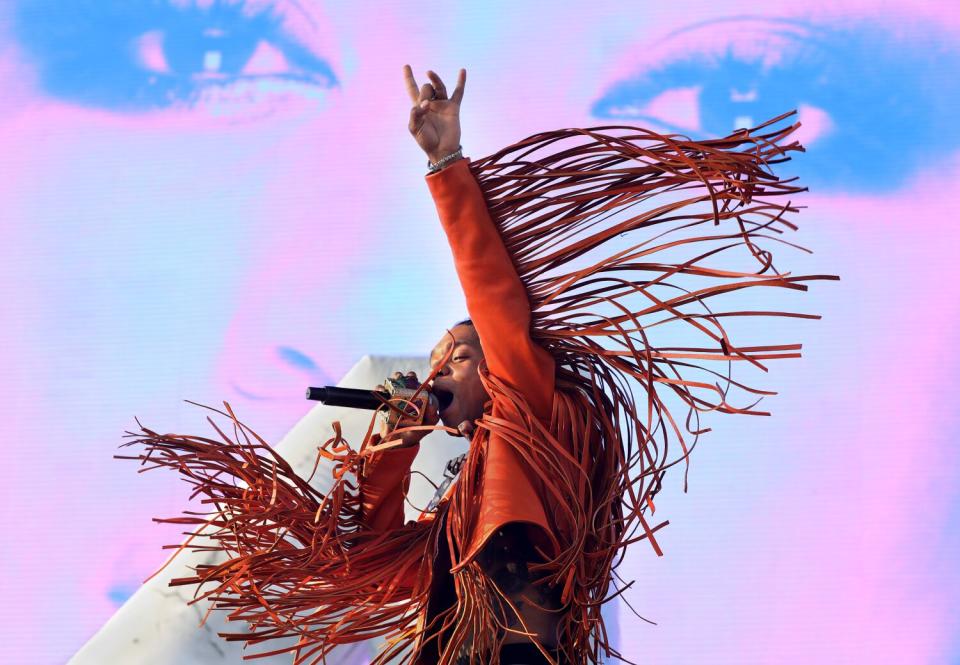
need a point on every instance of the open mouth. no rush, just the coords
(444, 397)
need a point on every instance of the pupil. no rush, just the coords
(211, 51)
(741, 97)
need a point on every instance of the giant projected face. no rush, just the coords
(220, 201)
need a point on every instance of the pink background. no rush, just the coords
(242, 245)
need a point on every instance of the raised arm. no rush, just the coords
(496, 298)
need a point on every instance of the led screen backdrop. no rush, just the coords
(220, 201)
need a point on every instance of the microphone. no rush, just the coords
(358, 398)
(354, 398)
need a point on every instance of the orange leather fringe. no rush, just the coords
(592, 218)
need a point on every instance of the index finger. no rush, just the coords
(458, 91)
(412, 89)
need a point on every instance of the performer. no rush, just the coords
(513, 562)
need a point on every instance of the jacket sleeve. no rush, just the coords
(384, 481)
(496, 298)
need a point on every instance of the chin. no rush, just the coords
(448, 420)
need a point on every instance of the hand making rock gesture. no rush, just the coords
(435, 117)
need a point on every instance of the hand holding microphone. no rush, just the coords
(422, 410)
(405, 411)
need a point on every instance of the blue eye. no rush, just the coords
(878, 106)
(139, 55)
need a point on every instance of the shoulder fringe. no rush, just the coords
(616, 233)
(561, 198)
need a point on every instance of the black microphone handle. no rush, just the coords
(355, 398)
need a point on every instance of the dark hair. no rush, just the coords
(465, 322)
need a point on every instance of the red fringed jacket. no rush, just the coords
(586, 256)
(507, 486)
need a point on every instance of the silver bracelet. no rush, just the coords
(443, 161)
